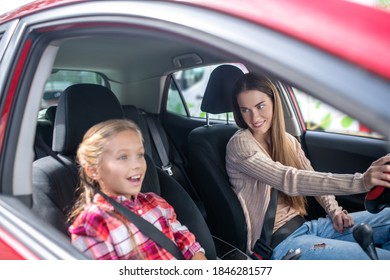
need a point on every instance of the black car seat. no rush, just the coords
(79, 107)
(154, 143)
(44, 131)
(50, 113)
(207, 149)
(54, 185)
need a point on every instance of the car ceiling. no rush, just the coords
(131, 61)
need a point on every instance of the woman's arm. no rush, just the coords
(328, 202)
(244, 155)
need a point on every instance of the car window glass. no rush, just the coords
(187, 89)
(175, 103)
(61, 79)
(319, 116)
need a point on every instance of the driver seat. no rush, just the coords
(206, 161)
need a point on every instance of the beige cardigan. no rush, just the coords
(252, 173)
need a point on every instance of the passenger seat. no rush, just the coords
(54, 185)
(154, 148)
(80, 107)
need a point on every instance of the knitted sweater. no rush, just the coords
(252, 173)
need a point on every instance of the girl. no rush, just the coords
(261, 156)
(111, 157)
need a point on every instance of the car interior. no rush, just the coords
(62, 125)
(136, 91)
(134, 64)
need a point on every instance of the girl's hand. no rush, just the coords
(378, 174)
(342, 221)
(199, 256)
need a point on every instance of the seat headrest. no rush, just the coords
(51, 113)
(80, 107)
(151, 182)
(132, 112)
(217, 96)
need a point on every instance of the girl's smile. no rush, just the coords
(123, 166)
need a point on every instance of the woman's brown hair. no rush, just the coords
(281, 147)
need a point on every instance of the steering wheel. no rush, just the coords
(377, 199)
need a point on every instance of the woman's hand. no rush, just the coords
(342, 221)
(378, 174)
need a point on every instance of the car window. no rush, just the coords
(61, 79)
(186, 92)
(319, 116)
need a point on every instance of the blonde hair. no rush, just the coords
(281, 148)
(89, 154)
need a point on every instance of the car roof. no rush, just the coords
(324, 24)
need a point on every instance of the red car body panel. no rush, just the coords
(324, 24)
(12, 89)
(8, 253)
(11, 249)
(33, 7)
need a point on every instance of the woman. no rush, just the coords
(261, 156)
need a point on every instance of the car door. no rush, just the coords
(337, 143)
(25, 237)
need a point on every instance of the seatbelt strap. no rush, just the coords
(143, 225)
(262, 248)
(181, 174)
(162, 153)
(269, 218)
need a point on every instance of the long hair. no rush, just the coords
(89, 153)
(281, 147)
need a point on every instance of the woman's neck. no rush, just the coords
(265, 141)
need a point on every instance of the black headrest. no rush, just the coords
(80, 107)
(51, 113)
(151, 182)
(132, 113)
(217, 97)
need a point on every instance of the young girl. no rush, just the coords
(111, 157)
(261, 156)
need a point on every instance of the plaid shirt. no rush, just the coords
(102, 233)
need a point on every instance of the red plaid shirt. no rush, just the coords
(103, 235)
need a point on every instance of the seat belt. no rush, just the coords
(262, 248)
(143, 225)
(167, 166)
(269, 218)
(162, 153)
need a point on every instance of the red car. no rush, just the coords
(335, 51)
